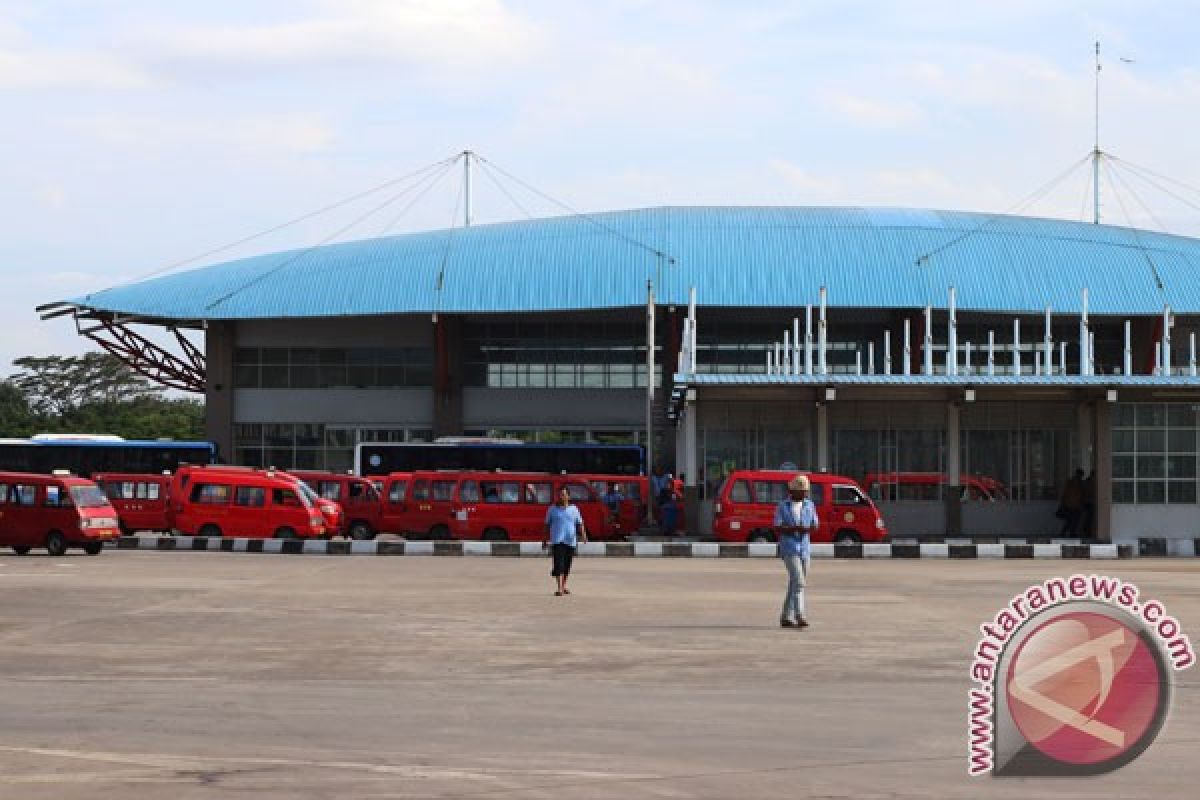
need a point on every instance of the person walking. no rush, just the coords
(564, 527)
(1070, 504)
(795, 520)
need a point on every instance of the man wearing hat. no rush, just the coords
(795, 519)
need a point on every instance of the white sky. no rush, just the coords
(142, 132)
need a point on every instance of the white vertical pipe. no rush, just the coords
(1085, 348)
(1062, 358)
(967, 358)
(952, 337)
(870, 358)
(808, 339)
(1048, 346)
(778, 360)
(1158, 358)
(887, 352)
(1017, 346)
(694, 336)
(991, 351)
(1127, 362)
(1192, 354)
(787, 352)
(684, 356)
(907, 347)
(1091, 353)
(1037, 362)
(1166, 341)
(928, 343)
(795, 345)
(770, 356)
(821, 334)
(857, 361)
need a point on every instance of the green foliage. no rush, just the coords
(93, 393)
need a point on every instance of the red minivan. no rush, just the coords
(361, 504)
(511, 506)
(331, 512)
(55, 512)
(393, 490)
(744, 509)
(634, 489)
(244, 502)
(140, 499)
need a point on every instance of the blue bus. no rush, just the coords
(512, 455)
(84, 454)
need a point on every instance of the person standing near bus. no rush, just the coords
(564, 528)
(795, 519)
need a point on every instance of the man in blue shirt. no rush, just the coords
(563, 524)
(795, 519)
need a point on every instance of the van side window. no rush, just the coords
(770, 491)
(541, 494)
(3, 493)
(443, 491)
(420, 491)
(357, 490)
(54, 496)
(469, 492)
(284, 497)
(397, 491)
(501, 492)
(152, 490)
(330, 490)
(847, 496)
(210, 493)
(633, 491)
(127, 490)
(740, 493)
(578, 492)
(24, 495)
(254, 496)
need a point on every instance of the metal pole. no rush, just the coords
(952, 338)
(907, 347)
(991, 367)
(787, 352)
(1166, 341)
(824, 368)
(650, 390)
(1017, 346)
(467, 155)
(1127, 363)
(1085, 349)
(1192, 354)
(808, 340)
(795, 345)
(1048, 346)
(870, 358)
(1062, 358)
(1096, 148)
(928, 365)
(887, 352)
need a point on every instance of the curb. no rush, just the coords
(624, 549)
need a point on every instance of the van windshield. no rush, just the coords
(88, 497)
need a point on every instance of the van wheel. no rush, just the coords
(125, 531)
(21, 549)
(439, 532)
(761, 537)
(495, 535)
(56, 543)
(847, 537)
(285, 533)
(93, 548)
(210, 531)
(360, 530)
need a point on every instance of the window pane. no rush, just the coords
(1123, 466)
(1123, 491)
(1181, 466)
(1151, 467)
(1181, 415)
(1151, 441)
(305, 377)
(1151, 492)
(1181, 492)
(274, 377)
(1123, 441)
(1182, 440)
(1151, 415)
(245, 376)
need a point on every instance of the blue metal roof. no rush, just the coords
(734, 256)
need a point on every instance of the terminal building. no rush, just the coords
(1000, 353)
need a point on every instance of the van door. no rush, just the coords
(595, 515)
(394, 514)
(466, 511)
(851, 512)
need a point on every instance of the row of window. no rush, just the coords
(332, 368)
(1155, 453)
(248, 496)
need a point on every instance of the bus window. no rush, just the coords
(579, 493)
(420, 491)
(469, 492)
(54, 497)
(442, 491)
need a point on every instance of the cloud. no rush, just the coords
(871, 112)
(803, 180)
(283, 133)
(26, 67)
(440, 32)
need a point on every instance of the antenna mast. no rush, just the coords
(1096, 148)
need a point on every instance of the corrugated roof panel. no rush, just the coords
(738, 257)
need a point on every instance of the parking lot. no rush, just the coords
(191, 675)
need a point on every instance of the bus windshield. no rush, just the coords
(88, 497)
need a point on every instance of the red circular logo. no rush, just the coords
(1084, 688)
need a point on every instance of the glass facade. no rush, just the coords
(1155, 452)
(311, 445)
(332, 367)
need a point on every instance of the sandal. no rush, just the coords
(566, 590)
(558, 594)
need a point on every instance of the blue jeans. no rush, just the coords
(793, 602)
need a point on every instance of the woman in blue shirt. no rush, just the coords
(564, 524)
(795, 519)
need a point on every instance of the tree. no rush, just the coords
(59, 385)
(16, 417)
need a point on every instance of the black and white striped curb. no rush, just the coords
(620, 549)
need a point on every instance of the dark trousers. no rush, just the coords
(563, 554)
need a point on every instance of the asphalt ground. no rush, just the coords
(204, 675)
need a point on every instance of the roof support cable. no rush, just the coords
(994, 218)
(1167, 178)
(583, 215)
(1137, 237)
(433, 180)
(302, 218)
(1115, 174)
(1087, 193)
(450, 231)
(301, 254)
(488, 172)
(1148, 176)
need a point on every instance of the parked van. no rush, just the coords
(55, 512)
(393, 499)
(929, 486)
(744, 508)
(511, 506)
(361, 502)
(330, 511)
(635, 491)
(140, 499)
(253, 503)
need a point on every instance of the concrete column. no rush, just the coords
(822, 423)
(1086, 432)
(219, 342)
(1103, 470)
(447, 376)
(690, 463)
(953, 471)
